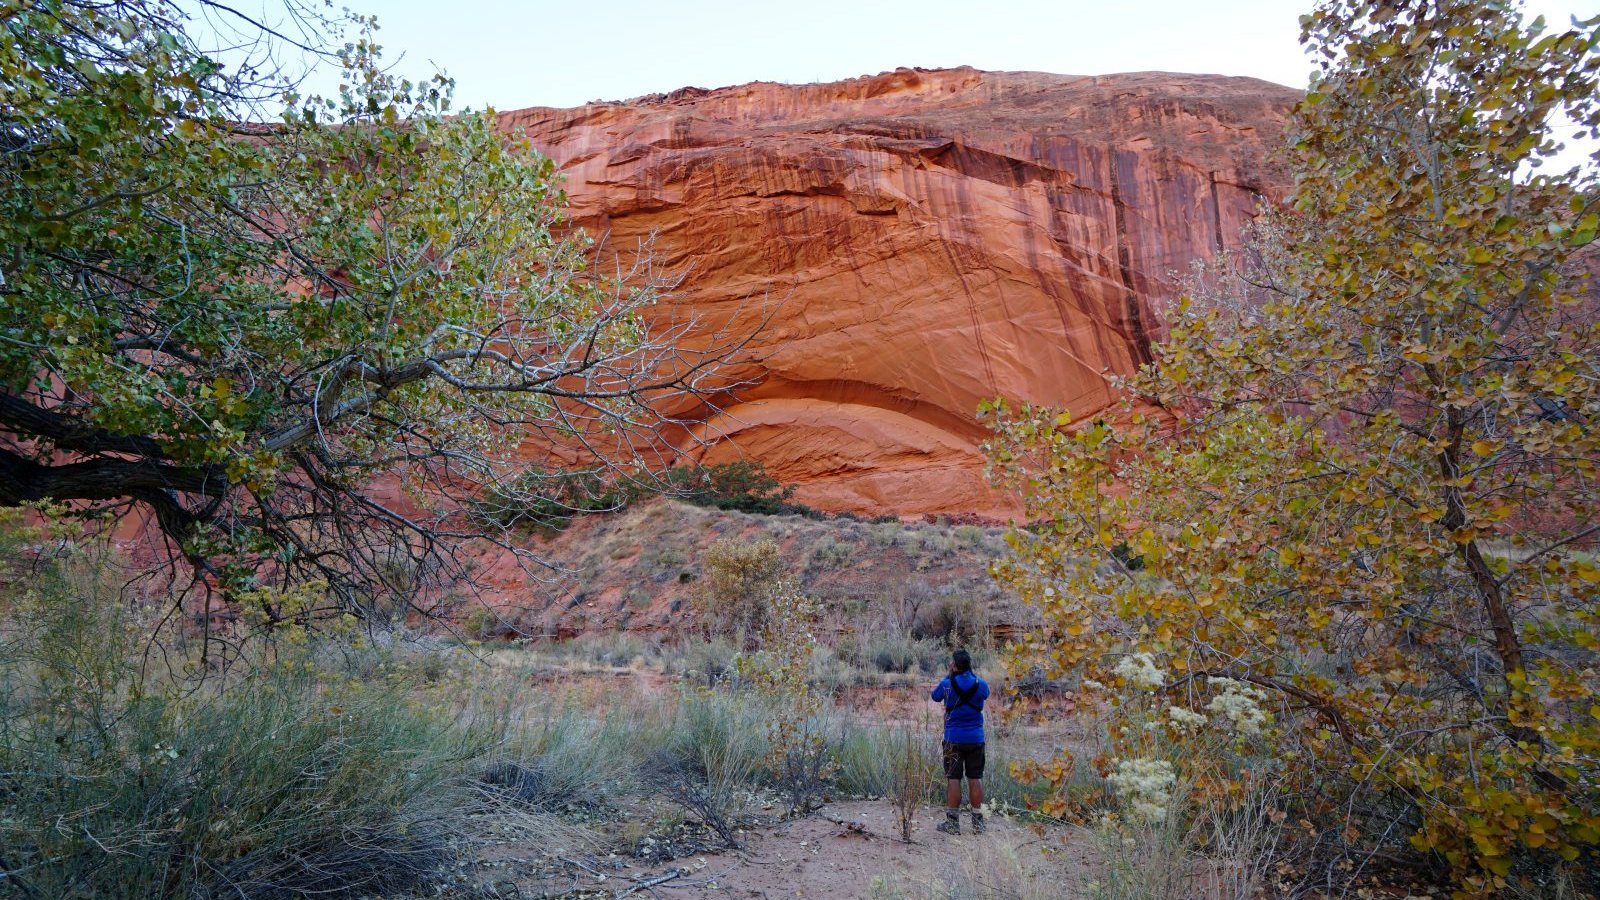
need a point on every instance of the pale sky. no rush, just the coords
(566, 52)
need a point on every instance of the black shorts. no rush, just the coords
(963, 758)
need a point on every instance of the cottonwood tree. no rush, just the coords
(1371, 490)
(238, 328)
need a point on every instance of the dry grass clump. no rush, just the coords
(288, 777)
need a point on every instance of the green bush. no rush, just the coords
(711, 757)
(741, 485)
(570, 757)
(863, 763)
(829, 554)
(548, 501)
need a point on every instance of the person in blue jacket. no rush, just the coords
(962, 693)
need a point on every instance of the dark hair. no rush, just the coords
(963, 660)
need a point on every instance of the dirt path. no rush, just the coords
(818, 857)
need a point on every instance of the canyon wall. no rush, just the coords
(923, 240)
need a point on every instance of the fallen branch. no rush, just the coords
(857, 827)
(652, 882)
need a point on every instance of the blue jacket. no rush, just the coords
(963, 719)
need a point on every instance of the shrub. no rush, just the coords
(953, 620)
(893, 652)
(712, 757)
(863, 765)
(610, 648)
(936, 543)
(798, 756)
(282, 783)
(547, 501)
(913, 774)
(830, 554)
(711, 658)
(884, 534)
(668, 557)
(741, 485)
(803, 511)
(483, 623)
(568, 756)
(738, 581)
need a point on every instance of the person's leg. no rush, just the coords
(953, 772)
(952, 807)
(974, 766)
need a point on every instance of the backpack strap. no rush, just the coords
(962, 698)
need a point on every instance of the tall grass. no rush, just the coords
(867, 755)
(118, 783)
(559, 754)
(712, 757)
(1147, 862)
(331, 770)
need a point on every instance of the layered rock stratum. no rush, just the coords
(926, 240)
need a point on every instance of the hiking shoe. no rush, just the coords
(950, 825)
(977, 823)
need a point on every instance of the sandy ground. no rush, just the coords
(847, 850)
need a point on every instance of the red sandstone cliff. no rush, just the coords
(939, 237)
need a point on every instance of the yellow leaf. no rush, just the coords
(1483, 448)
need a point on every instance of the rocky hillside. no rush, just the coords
(935, 238)
(640, 569)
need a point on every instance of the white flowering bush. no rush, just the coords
(1144, 789)
(1239, 702)
(1184, 720)
(1140, 672)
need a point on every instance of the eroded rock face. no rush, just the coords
(935, 237)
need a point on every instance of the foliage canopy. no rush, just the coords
(236, 326)
(1370, 490)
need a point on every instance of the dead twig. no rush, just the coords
(858, 828)
(649, 883)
